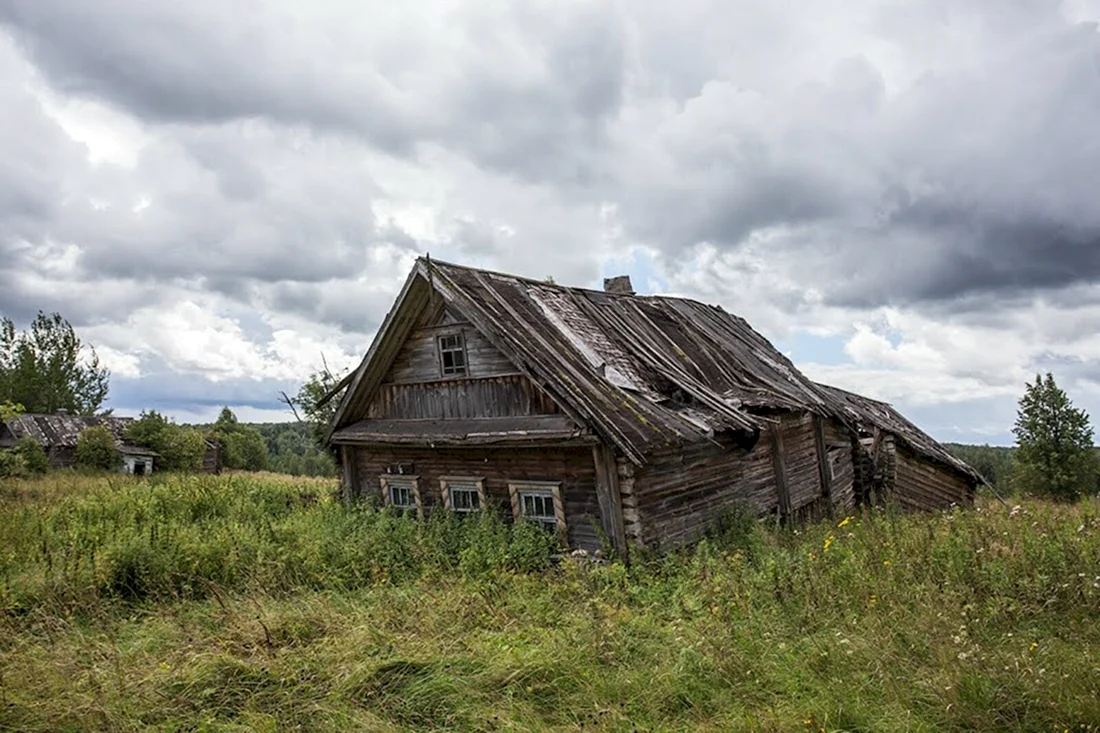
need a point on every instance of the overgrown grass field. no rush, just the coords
(260, 603)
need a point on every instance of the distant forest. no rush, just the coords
(290, 449)
(286, 447)
(993, 462)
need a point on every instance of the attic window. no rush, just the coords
(452, 355)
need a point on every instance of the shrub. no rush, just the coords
(96, 449)
(34, 457)
(12, 464)
(180, 449)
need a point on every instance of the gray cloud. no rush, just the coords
(927, 154)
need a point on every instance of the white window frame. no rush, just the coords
(468, 483)
(461, 348)
(385, 481)
(517, 489)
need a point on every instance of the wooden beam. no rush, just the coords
(351, 476)
(609, 497)
(824, 469)
(776, 431)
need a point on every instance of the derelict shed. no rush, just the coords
(58, 435)
(896, 461)
(638, 418)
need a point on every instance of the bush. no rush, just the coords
(96, 449)
(34, 457)
(12, 464)
(180, 449)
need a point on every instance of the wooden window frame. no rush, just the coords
(461, 335)
(384, 485)
(516, 488)
(478, 483)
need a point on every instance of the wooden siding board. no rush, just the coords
(418, 358)
(920, 484)
(506, 396)
(609, 497)
(573, 467)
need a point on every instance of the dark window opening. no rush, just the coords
(464, 499)
(452, 355)
(401, 496)
(538, 507)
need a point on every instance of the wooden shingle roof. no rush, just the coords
(638, 371)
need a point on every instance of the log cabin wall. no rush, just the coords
(800, 460)
(921, 484)
(680, 492)
(573, 467)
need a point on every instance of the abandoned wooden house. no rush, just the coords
(58, 435)
(896, 460)
(599, 414)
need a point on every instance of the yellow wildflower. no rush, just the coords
(828, 541)
(844, 522)
(886, 563)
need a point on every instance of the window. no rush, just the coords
(539, 501)
(402, 496)
(539, 506)
(401, 492)
(452, 355)
(463, 494)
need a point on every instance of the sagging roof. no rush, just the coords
(869, 414)
(62, 430)
(636, 370)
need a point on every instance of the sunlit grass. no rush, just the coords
(260, 603)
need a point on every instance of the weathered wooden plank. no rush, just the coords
(824, 464)
(780, 470)
(418, 358)
(610, 499)
(506, 396)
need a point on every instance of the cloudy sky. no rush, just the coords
(902, 194)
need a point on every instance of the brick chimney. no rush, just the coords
(619, 284)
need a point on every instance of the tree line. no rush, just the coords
(47, 368)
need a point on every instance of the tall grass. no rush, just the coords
(245, 602)
(182, 537)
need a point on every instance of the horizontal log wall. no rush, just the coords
(800, 460)
(461, 398)
(921, 484)
(418, 359)
(573, 467)
(679, 493)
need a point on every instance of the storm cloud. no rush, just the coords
(913, 179)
